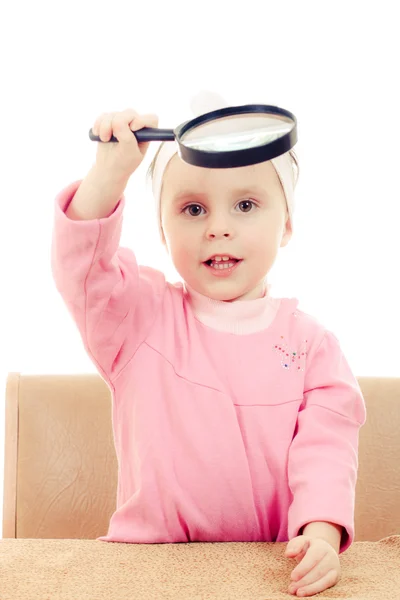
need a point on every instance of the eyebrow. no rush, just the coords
(188, 194)
(251, 190)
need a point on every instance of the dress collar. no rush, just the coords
(241, 317)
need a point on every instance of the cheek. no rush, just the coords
(180, 236)
(178, 232)
(264, 232)
(261, 243)
(182, 244)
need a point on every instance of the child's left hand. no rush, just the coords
(318, 568)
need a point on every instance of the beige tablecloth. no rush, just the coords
(92, 570)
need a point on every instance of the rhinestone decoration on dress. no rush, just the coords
(291, 358)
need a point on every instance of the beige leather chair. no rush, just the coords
(61, 470)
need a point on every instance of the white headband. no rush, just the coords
(285, 165)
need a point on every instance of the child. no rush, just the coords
(236, 416)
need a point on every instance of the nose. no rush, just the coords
(219, 228)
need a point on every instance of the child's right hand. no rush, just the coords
(120, 159)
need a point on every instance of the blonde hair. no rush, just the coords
(152, 166)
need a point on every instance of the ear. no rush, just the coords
(287, 233)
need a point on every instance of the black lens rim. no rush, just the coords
(236, 158)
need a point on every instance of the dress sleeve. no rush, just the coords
(323, 457)
(112, 300)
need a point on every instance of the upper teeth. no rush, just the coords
(219, 258)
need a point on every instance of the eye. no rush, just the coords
(194, 210)
(246, 205)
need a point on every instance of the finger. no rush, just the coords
(107, 115)
(128, 116)
(149, 120)
(319, 570)
(309, 562)
(299, 557)
(120, 128)
(96, 125)
(322, 584)
(296, 547)
(120, 125)
(105, 127)
(128, 121)
(296, 555)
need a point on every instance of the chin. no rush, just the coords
(226, 292)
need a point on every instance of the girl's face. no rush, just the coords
(240, 213)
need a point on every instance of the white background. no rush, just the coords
(334, 64)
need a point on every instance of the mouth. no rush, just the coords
(222, 257)
(222, 261)
(222, 264)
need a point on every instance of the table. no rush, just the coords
(92, 570)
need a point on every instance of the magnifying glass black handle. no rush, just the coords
(147, 134)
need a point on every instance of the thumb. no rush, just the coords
(294, 547)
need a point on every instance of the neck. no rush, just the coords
(258, 292)
(234, 316)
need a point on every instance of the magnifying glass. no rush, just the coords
(234, 136)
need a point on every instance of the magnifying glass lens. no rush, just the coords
(237, 132)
